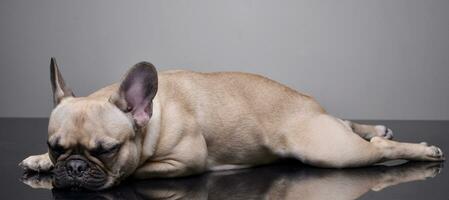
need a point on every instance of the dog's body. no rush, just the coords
(186, 123)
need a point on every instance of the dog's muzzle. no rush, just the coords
(77, 172)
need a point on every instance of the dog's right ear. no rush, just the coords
(60, 90)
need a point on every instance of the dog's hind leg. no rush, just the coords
(327, 142)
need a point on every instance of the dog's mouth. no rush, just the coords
(92, 177)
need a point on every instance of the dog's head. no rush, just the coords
(94, 142)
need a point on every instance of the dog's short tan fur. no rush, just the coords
(216, 121)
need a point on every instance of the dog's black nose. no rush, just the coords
(76, 167)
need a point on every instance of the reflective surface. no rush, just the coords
(289, 180)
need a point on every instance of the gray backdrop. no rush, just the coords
(376, 59)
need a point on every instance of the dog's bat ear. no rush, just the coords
(60, 90)
(136, 92)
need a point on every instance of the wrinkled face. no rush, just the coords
(92, 141)
(92, 144)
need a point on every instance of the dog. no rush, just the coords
(180, 123)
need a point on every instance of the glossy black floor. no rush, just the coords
(22, 137)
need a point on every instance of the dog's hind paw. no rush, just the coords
(434, 154)
(383, 131)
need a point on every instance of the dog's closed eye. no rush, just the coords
(105, 150)
(56, 149)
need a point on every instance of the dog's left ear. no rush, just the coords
(136, 93)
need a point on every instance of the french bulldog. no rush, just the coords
(181, 123)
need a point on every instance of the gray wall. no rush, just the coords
(361, 59)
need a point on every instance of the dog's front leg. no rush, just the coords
(38, 163)
(164, 168)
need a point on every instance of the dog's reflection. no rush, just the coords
(283, 181)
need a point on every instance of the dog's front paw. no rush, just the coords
(38, 163)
